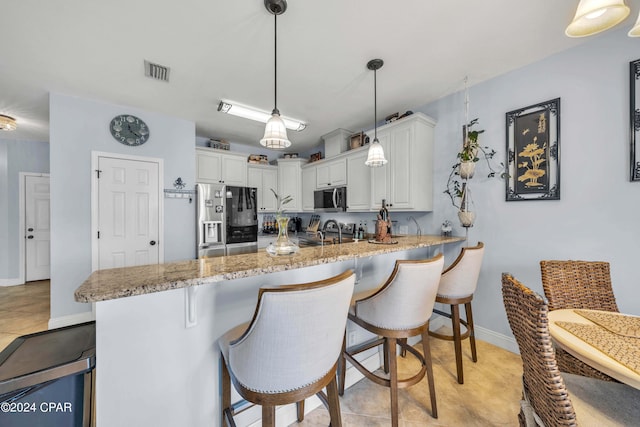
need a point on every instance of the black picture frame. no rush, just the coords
(533, 152)
(634, 118)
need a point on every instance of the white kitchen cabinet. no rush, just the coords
(331, 173)
(218, 167)
(358, 181)
(290, 182)
(308, 187)
(264, 178)
(406, 181)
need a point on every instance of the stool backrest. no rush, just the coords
(406, 299)
(295, 336)
(460, 279)
(543, 384)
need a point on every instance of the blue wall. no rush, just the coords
(597, 216)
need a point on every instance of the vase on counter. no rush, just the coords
(283, 245)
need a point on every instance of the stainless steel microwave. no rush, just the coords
(330, 199)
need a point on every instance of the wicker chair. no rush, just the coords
(397, 310)
(551, 398)
(578, 284)
(290, 349)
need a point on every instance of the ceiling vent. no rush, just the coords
(156, 71)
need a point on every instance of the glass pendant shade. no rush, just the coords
(635, 31)
(275, 133)
(595, 16)
(7, 123)
(375, 157)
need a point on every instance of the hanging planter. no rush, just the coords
(467, 169)
(466, 214)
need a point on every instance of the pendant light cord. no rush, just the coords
(275, 63)
(375, 106)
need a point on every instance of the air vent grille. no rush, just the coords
(156, 71)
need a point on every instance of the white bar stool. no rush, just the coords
(290, 349)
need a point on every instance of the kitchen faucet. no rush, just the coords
(419, 230)
(337, 225)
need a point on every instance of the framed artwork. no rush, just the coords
(634, 119)
(533, 152)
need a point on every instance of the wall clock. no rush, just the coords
(129, 130)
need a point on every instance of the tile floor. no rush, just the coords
(24, 309)
(490, 395)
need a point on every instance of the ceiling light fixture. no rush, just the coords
(375, 157)
(595, 16)
(7, 123)
(275, 132)
(256, 114)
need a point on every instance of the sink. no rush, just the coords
(306, 241)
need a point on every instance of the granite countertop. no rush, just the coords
(116, 283)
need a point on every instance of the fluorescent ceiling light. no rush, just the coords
(252, 113)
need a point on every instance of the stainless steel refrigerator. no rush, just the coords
(227, 220)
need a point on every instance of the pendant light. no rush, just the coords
(595, 16)
(7, 123)
(375, 157)
(275, 132)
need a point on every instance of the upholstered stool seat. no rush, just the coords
(290, 349)
(397, 310)
(457, 285)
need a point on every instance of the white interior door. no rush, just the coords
(37, 231)
(128, 213)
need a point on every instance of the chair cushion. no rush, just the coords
(603, 403)
(358, 296)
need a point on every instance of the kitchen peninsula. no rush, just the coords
(157, 325)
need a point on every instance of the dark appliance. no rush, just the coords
(227, 220)
(47, 378)
(330, 200)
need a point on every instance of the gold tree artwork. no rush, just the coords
(536, 156)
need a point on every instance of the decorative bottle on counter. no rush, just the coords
(283, 245)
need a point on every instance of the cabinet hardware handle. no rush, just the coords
(29, 237)
(152, 243)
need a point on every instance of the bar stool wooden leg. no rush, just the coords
(334, 404)
(385, 356)
(342, 366)
(268, 416)
(472, 334)
(226, 391)
(426, 349)
(300, 410)
(393, 379)
(457, 340)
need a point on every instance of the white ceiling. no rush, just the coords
(224, 50)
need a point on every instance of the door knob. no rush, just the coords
(29, 237)
(153, 242)
(29, 229)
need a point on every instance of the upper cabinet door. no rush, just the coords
(263, 178)
(331, 173)
(208, 167)
(308, 187)
(406, 181)
(234, 170)
(358, 182)
(216, 167)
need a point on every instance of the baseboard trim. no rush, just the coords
(11, 282)
(287, 415)
(503, 341)
(72, 319)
